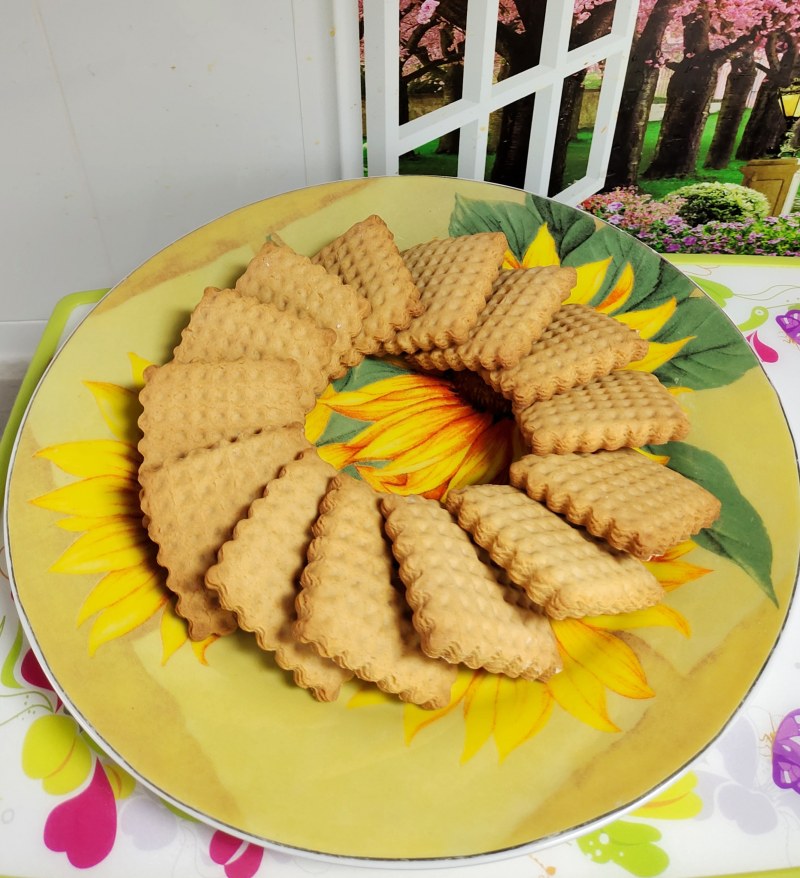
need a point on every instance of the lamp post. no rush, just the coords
(789, 98)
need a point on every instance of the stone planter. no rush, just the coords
(778, 179)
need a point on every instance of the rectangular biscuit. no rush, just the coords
(625, 408)
(462, 609)
(634, 503)
(191, 505)
(227, 325)
(351, 608)
(566, 571)
(292, 282)
(257, 574)
(366, 257)
(579, 345)
(194, 405)
(454, 277)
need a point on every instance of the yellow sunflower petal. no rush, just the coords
(659, 616)
(115, 586)
(649, 321)
(79, 523)
(138, 365)
(199, 648)
(542, 250)
(590, 278)
(113, 546)
(125, 615)
(93, 457)
(678, 802)
(415, 718)
(368, 696)
(100, 495)
(673, 574)
(523, 709)
(373, 476)
(613, 662)
(388, 396)
(488, 456)
(316, 421)
(657, 354)
(510, 261)
(581, 694)
(480, 706)
(620, 293)
(119, 407)
(122, 784)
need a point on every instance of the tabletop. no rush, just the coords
(67, 807)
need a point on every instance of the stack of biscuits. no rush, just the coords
(257, 532)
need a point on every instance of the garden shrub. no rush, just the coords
(770, 236)
(725, 202)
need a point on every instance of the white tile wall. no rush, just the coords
(127, 125)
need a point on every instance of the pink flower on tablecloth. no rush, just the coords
(32, 673)
(85, 827)
(763, 351)
(240, 859)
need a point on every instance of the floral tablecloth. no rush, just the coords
(66, 807)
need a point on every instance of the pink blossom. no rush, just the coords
(426, 11)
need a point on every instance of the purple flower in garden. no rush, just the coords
(615, 220)
(689, 240)
(615, 206)
(672, 248)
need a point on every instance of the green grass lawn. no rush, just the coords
(427, 161)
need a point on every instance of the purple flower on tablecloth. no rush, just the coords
(790, 323)
(240, 859)
(786, 753)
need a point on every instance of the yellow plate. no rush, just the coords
(221, 732)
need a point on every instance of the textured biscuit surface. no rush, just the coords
(634, 503)
(366, 257)
(564, 570)
(191, 505)
(454, 277)
(578, 345)
(521, 306)
(257, 574)
(625, 408)
(227, 325)
(194, 405)
(292, 282)
(462, 609)
(350, 605)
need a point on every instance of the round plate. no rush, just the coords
(221, 732)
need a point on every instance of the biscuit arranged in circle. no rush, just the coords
(366, 257)
(257, 574)
(579, 345)
(520, 307)
(292, 282)
(463, 610)
(194, 405)
(564, 570)
(626, 408)
(352, 605)
(226, 325)
(454, 277)
(631, 501)
(191, 505)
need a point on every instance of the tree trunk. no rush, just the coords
(453, 89)
(688, 97)
(766, 127)
(641, 79)
(740, 81)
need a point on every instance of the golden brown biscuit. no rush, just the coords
(351, 608)
(257, 574)
(291, 282)
(194, 405)
(566, 571)
(632, 502)
(454, 277)
(462, 609)
(191, 505)
(226, 325)
(579, 345)
(626, 408)
(366, 257)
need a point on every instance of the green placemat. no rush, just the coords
(48, 345)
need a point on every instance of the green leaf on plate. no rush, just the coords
(716, 353)
(519, 222)
(568, 226)
(739, 533)
(367, 372)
